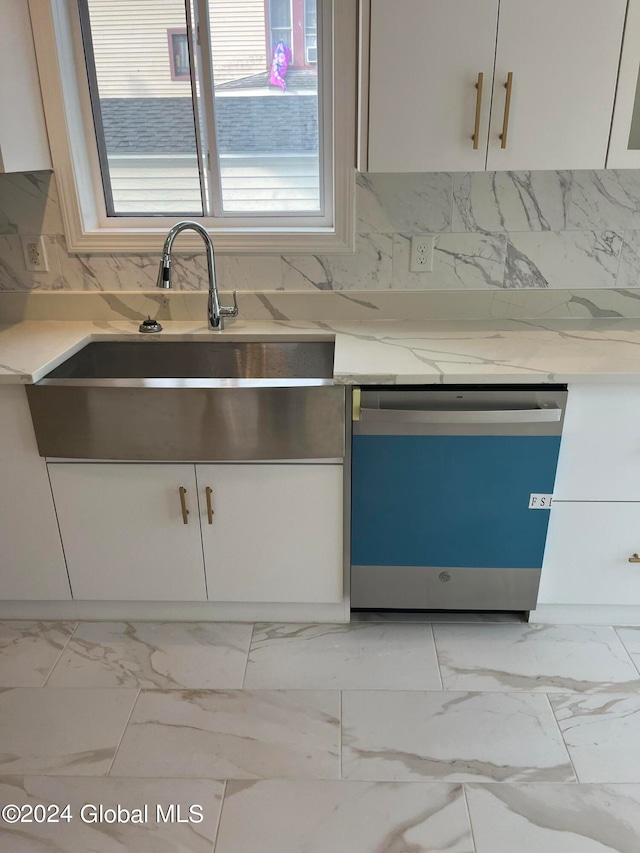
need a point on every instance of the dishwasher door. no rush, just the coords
(451, 495)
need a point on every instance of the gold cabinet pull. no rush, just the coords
(476, 126)
(183, 505)
(634, 559)
(209, 492)
(507, 109)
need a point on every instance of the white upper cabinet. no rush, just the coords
(425, 59)
(561, 57)
(624, 149)
(24, 146)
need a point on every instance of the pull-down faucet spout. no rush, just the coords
(215, 312)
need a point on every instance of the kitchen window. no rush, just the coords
(310, 32)
(178, 54)
(259, 149)
(280, 23)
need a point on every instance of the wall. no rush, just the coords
(493, 231)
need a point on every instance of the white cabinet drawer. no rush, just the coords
(586, 559)
(600, 453)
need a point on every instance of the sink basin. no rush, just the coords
(161, 400)
(199, 360)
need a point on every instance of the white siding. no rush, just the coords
(132, 52)
(238, 36)
(257, 184)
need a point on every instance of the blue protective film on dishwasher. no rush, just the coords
(450, 500)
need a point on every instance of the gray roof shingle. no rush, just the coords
(251, 124)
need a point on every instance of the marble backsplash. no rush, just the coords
(568, 231)
(536, 305)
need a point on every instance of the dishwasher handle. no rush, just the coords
(487, 416)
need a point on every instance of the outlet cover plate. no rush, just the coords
(35, 254)
(421, 253)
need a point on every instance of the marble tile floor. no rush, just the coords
(373, 737)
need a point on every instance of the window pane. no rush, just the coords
(280, 22)
(179, 54)
(310, 31)
(149, 158)
(266, 106)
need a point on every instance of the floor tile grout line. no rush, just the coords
(222, 799)
(126, 726)
(628, 653)
(435, 649)
(246, 663)
(64, 648)
(468, 810)
(564, 743)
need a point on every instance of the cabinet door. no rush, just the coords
(24, 146)
(31, 560)
(624, 148)
(424, 64)
(564, 58)
(275, 533)
(600, 449)
(586, 560)
(123, 532)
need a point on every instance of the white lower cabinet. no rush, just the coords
(600, 450)
(275, 533)
(31, 559)
(123, 532)
(594, 526)
(586, 559)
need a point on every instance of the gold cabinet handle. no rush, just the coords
(476, 126)
(209, 492)
(634, 559)
(183, 505)
(507, 109)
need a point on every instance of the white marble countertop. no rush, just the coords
(380, 352)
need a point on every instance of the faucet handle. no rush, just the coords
(230, 311)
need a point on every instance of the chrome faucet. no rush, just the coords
(216, 312)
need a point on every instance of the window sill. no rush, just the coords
(280, 241)
(149, 240)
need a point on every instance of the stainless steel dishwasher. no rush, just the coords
(451, 491)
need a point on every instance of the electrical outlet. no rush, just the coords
(421, 254)
(35, 255)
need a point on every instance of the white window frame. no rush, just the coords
(67, 106)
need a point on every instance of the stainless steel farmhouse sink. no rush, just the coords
(199, 360)
(192, 400)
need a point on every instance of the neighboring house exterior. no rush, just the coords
(267, 140)
(141, 61)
